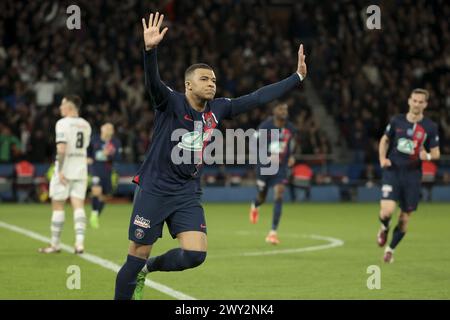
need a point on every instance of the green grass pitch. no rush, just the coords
(421, 269)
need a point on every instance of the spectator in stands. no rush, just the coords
(301, 177)
(24, 188)
(429, 175)
(9, 145)
(370, 176)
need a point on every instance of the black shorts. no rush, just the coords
(103, 181)
(402, 185)
(263, 182)
(180, 212)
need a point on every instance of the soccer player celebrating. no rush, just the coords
(103, 151)
(280, 150)
(70, 176)
(170, 193)
(408, 140)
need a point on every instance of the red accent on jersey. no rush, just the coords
(419, 136)
(286, 134)
(209, 124)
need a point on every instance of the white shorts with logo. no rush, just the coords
(73, 188)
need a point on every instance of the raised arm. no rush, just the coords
(152, 37)
(271, 92)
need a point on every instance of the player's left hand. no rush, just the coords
(291, 161)
(301, 68)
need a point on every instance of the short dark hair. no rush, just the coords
(76, 100)
(421, 91)
(194, 67)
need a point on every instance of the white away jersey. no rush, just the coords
(76, 133)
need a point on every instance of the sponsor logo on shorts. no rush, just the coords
(141, 222)
(139, 233)
(203, 226)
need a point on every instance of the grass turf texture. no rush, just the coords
(421, 269)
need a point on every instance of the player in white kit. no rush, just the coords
(69, 179)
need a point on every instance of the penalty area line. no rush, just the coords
(97, 260)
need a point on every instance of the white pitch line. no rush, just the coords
(333, 242)
(98, 261)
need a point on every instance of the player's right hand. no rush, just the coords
(62, 179)
(152, 36)
(385, 163)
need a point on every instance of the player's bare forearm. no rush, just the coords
(60, 158)
(382, 151)
(60, 155)
(434, 154)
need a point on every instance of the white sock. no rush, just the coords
(79, 217)
(94, 213)
(56, 227)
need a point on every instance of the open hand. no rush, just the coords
(301, 68)
(152, 36)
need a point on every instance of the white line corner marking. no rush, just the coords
(97, 260)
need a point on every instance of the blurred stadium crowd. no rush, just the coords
(363, 77)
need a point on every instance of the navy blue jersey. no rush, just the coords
(103, 163)
(281, 147)
(406, 140)
(158, 174)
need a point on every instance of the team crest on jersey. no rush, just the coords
(210, 120)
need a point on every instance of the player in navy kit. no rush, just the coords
(280, 150)
(408, 140)
(103, 152)
(170, 192)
